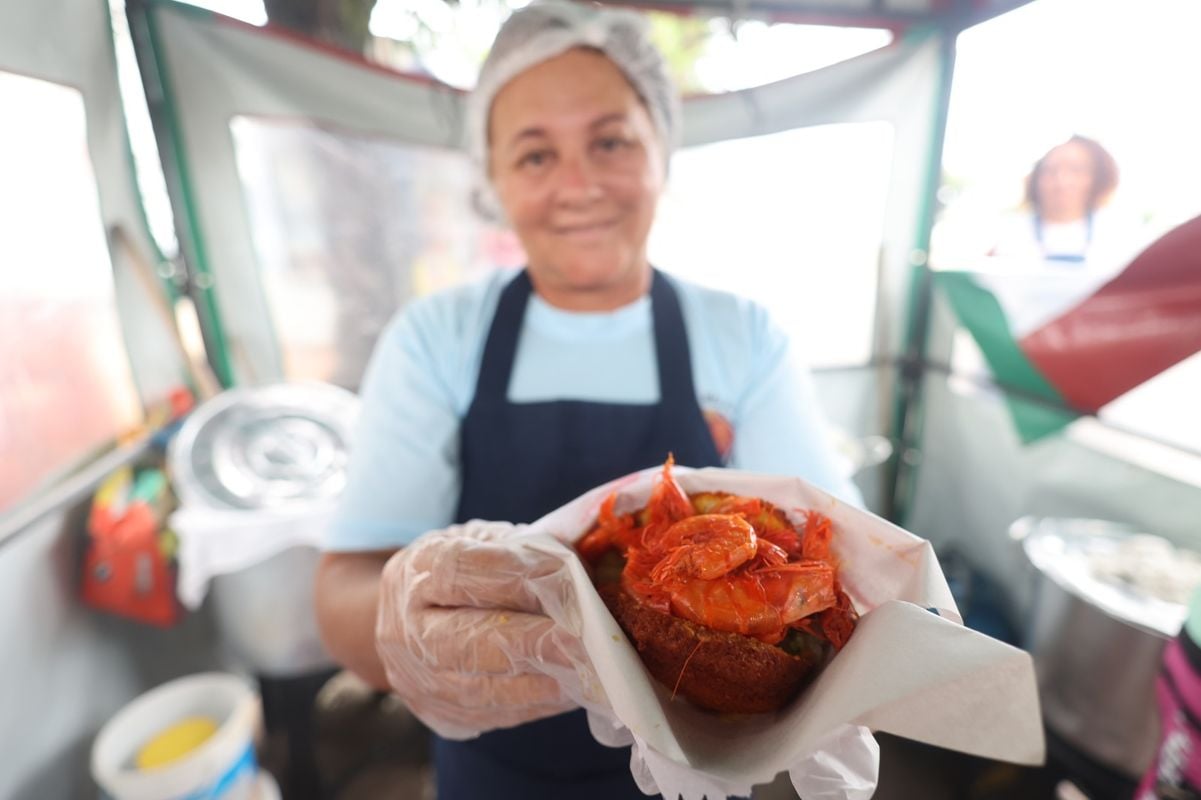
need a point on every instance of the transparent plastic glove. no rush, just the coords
(482, 626)
(464, 638)
(845, 766)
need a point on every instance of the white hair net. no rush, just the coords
(546, 29)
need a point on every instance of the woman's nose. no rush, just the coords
(578, 181)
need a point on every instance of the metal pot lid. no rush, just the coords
(265, 447)
(1140, 579)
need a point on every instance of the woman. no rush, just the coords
(1067, 242)
(505, 399)
(1064, 193)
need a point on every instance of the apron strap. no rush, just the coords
(1064, 258)
(501, 345)
(671, 341)
(671, 344)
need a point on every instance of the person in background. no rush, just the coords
(504, 399)
(1064, 224)
(1064, 243)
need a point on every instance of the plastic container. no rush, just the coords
(222, 768)
(1175, 771)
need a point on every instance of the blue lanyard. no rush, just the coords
(1064, 258)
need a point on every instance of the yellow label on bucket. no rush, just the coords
(175, 742)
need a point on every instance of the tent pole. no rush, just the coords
(197, 277)
(908, 407)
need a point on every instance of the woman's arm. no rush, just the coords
(403, 478)
(347, 598)
(779, 424)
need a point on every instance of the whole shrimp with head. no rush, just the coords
(729, 577)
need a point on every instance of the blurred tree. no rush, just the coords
(343, 23)
(682, 40)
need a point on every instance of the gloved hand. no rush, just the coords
(462, 634)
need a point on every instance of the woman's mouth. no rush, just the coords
(585, 229)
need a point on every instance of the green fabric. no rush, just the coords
(1192, 623)
(190, 235)
(908, 403)
(1037, 408)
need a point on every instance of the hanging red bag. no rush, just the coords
(127, 569)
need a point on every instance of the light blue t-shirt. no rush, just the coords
(404, 474)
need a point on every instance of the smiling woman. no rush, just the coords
(576, 163)
(505, 399)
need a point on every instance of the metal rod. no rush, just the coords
(67, 492)
(198, 283)
(907, 417)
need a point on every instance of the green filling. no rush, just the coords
(609, 567)
(803, 645)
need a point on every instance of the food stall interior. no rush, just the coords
(192, 284)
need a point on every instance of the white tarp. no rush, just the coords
(219, 70)
(69, 42)
(897, 84)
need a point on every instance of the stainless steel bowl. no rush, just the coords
(1097, 641)
(265, 447)
(282, 448)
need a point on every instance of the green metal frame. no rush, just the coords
(167, 283)
(1039, 410)
(908, 410)
(168, 131)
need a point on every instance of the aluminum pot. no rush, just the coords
(1097, 634)
(265, 447)
(278, 448)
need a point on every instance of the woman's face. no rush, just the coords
(1065, 182)
(577, 165)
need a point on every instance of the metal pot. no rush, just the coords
(265, 447)
(1097, 640)
(280, 448)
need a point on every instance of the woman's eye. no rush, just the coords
(534, 159)
(610, 144)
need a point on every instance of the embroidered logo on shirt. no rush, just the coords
(722, 432)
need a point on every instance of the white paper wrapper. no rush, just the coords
(906, 670)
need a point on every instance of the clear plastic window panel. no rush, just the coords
(1002, 121)
(793, 220)
(347, 229)
(66, 387)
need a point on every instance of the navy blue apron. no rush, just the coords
(522, 460)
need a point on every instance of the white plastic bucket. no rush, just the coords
(222, 768)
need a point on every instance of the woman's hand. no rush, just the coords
(463, 638)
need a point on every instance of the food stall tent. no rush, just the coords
(260, 134)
